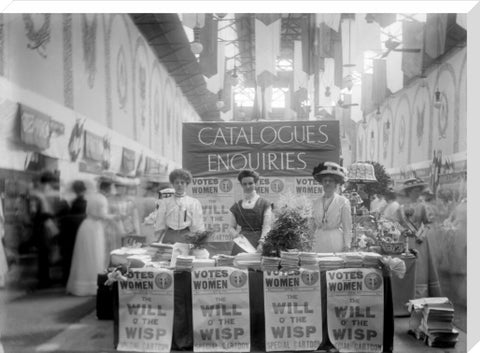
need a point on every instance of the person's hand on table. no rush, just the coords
(260, 247)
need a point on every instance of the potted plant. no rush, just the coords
(291, 229)
(198, 241)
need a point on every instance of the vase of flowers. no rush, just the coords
(291, 229)
(389, 237)
(197, 240)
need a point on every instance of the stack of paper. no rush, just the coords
(331, 263)
(248, 261)
(184, 262)
(289, 260)
(326, 254)
(352, 259)
(197, 263)
(270, 263)
(120, 256)
(163, 252)
(432, 320)
(308, 259)
(437, 324)
(224, 260)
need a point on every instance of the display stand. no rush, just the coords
(359, 174)
(183, 325)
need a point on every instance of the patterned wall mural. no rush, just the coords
(100, 67)
(412, 126)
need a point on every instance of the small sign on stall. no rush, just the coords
(146, 310)
(221, 310)
(355, 309)
(293, 310)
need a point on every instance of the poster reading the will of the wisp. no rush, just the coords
(293, 310)
(221, 310)
(146, 310)
(355, 309)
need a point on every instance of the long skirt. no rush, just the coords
(328, 240)
(89, 258)
(427, 283)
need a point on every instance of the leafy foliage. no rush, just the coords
(291, 228)
(198, 239)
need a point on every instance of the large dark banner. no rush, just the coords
(280, 148)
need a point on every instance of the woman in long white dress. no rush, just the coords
(332, 218)
(89, 255)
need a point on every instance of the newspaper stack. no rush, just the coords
(432, 320)
(330, 263)
(163, 252)
(352, 259)
(197, 263)
(248, 260)
(224, 260)
(184, 262)
(325, 254)
(308, 259)
(121, 256)
(270, 263)
(289, 260)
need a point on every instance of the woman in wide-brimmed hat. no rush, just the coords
(332, 216)
(414, 216)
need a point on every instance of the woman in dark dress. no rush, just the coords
(70, 224)
(252, 215)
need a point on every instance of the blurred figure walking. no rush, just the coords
(70, 224)
(89, 254)
(44, 206)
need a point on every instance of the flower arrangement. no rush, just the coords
(388, 231)
(377, 233)
(291, 229)
(198, 239)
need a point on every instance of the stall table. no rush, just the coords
(183, 322)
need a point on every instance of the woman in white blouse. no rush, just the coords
(332, 216)
(178, 215)
(252, 215)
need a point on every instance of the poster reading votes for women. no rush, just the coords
(146, 311)
(355, 309)
(293, 310)
(221, 310)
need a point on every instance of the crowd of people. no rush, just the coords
(80, 233)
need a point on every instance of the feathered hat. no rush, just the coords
(329, 168)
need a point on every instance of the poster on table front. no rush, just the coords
(293, 310)
(146, 310)
(355, 309)
(221, 310)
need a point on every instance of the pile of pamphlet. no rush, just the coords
(223, 260)
(308, 259)
(184, 262)
(330, 263)
(432, 321)
(289, 260)
(248, 260)
(197, 263)
(270, 263)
